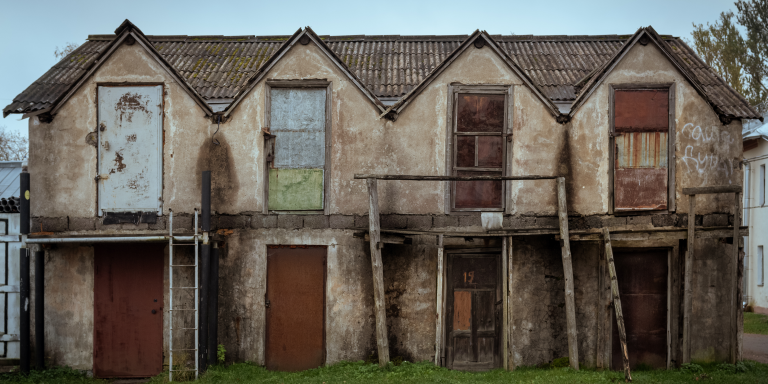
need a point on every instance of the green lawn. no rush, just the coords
(360, 372)
(755, 323)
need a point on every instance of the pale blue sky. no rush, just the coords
(30, 31)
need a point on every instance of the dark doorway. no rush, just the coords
(128, 310)
(473, 322)
(295, 307)
(642, 277)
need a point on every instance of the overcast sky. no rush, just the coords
(31, 31)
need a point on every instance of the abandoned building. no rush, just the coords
(475, 201)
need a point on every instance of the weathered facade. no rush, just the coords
(435, 106)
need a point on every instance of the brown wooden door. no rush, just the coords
(295, 307)
(128, 310)
(472, 321)
(642, 278)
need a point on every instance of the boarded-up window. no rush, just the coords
(130, 148)
(641, 159)
(478, 144)
(296, 177)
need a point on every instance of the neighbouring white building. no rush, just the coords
(755, 139)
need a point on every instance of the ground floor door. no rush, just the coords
(295, 307)
(642, 276)
(128, 310)
(473, 322)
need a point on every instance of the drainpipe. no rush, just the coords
(40, 310)
(213, 306)
(205, 272)
(24, 336)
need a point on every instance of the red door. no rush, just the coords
(295, 307)
(128, 310)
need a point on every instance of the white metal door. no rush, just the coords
(9, 285)
(130, 148)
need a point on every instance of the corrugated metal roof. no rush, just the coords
(218, 67)
(9, 178)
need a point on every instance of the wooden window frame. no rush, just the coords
(671, 156)
(451, 129)
(761, 185)
(308, 83)
(161, 136)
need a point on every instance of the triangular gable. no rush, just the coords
(124, 33)
(303, 37)
(485, 39)
(645, 36)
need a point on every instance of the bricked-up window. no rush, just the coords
(478, 144)
(641, 173)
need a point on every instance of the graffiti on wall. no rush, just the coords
(707, 153)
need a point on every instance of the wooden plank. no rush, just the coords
(711, 190)
(509, 340)
(677, 234)
(565, 247)
(378, 274)
(439, 303)
(451, 178)
(740, 313)
(388, 238)
(617, 303)
(687, 303)
(735, 300)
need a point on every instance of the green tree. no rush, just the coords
(742, 62)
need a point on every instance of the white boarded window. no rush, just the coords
(130, 148)
(297, 173)
(760, 266)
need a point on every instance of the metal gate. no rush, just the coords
(9, 285)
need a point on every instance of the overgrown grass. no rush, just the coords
(425, 372)
(755, 323)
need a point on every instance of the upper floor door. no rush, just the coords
(130, 148)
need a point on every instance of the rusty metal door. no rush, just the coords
(130, 148)
(642, 277)
(641, 127)
(473, 322)
(295, 304)
(128, 310)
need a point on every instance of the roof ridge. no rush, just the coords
(335, 38)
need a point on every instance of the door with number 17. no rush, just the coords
(473, 320)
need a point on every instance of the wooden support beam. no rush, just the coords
(711, 190)
(388, 238)
(452, 178)
(649, 236)
(565, 247)
(735, 299)
(378, 274)
(617, 304)
(687, 290)
(439, 304)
